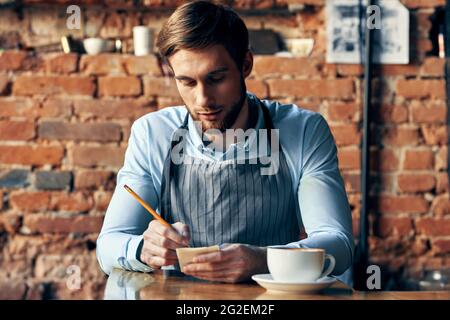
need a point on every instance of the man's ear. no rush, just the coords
(247, 64)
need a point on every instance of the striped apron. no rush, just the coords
(230, 201)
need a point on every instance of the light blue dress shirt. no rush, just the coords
(311, 155)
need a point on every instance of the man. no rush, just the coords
(215, 198)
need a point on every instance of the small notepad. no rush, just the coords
(185, 255)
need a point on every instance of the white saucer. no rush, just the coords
(266, 281)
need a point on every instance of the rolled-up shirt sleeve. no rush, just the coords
(125, 219)
(324, 207)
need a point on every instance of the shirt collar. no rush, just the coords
(196, 139)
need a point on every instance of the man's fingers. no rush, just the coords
(170, 233)
(162, 242)
(154, 261)
(183, 230)
(213, 257)
(212, 267)
(154, 250)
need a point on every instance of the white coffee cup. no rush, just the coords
(95, 45)
(298, 264)
(142, 40)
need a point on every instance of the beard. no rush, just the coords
(231, 113)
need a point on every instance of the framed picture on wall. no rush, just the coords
(346, 24)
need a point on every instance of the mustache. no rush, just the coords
(209, 109)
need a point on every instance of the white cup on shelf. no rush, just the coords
(142, 40)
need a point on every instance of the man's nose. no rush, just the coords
(203, 97)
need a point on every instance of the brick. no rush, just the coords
(163, 102)
(30, 201)
(142, 65)
(10, 222)
(17, 130)
(430, 112)
(433, 67)
(392, 114)
(74, 201)
(12, 60)
(51, 180)
(103, 132)
(45, 200)
(347, 134)
(308, 2)
(441, 205)
(102, 200)
(441, 246)
(349, 159)
(400, 136)
(417, 89)
(257, 4)
(406, 204)
(4, 83)
(86, 156)
(259, 88)
(61, 63)
(94, 180)
(418, 159)
(28, 247)
(352, 182)
(102, 64)
(271, 65)
(433, 226)
(47, 85)
(394, 227)
(35, 290)
(45, 223)
(112, 109)
(119, 86)
(55, 266)
(14, 178)
(442, 183)
(350, 69)
(384, 160)
(325, 88)
(414, 4)
(416, 182)
(31, 155)
(12, 289)
(160, 87)
(343, 112)
(441, 162)
(434, 134)
(110, 63)
(89, 290)
(398, 70)
(17, 107)
(56, 108)
(118, 25)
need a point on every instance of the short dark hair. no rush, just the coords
(200, 24)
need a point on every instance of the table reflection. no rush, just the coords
(172, 284)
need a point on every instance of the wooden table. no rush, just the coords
(173, 285)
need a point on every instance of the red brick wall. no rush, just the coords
(65, 120)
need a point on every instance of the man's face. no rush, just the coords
(210, 84)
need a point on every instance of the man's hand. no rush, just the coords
(160, 243)
(233, 263)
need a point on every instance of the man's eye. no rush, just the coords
(188, 83)
(216, 79)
